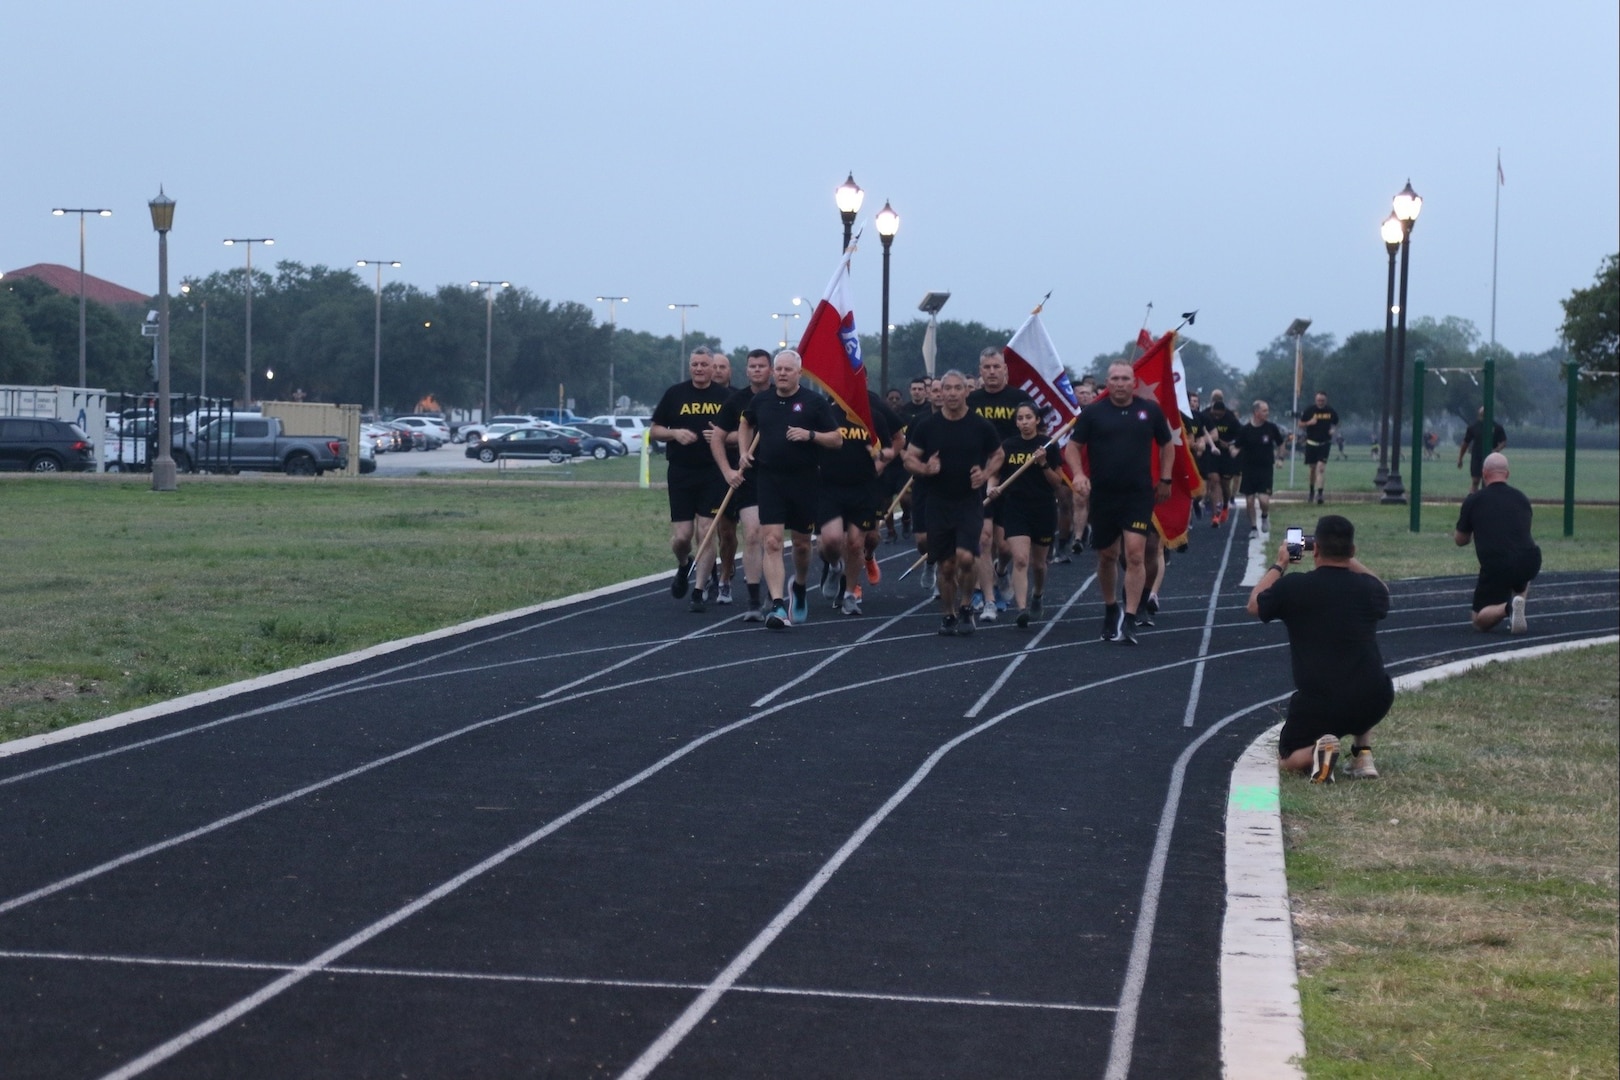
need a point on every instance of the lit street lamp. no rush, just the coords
(613, 303)
(376, 355)
(784, 316)
(59, 212)
(1392, 233)
(849, 197)
(1407, 205)
(888, 223)
(680, 360)
(489, 288)
(247, 366)
(163, 471)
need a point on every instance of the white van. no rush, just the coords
(632, 429)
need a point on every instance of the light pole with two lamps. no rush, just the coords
(888, 223)
(680, 361)
(376, 354)
(613, 303)
(163, 470)
(489, 288)
(1407, 204)
(59, 212)
(202, 382)
(247, 375)
(784, 316)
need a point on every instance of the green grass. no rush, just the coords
(1538, 473)
(116, 597)
(1457, 917)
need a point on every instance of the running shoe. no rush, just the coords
(987, 615)
(1127, 629)
(1036, 608)
(778, 618)
(1144, 617)
(1361, 763)
(1319, 503)
(1001, 597)
(1023, 619)
(1003, 581)
(1110, 625)
(874, 572)
(755, 614)
(1517, 624)
(801, 605)
(711, 591)
(947, 626)
(965, 624)
(1153, 602)
(1060, 555)
(1323, 758)
(725, 592)
(978, 601)
(678, 587)
(1265, 523)
(852, 603)
(829, 580)
(1253, 532)
(699, 606)
(929, 576)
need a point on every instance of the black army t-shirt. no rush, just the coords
(961, 444)
(685, 406)
(1033, 486)
(771, 415)
(1499, 518)
(1118, 441)
(1331, 614)
(1319, 423)
(999, 408)
(1257, 446)
(852, 464)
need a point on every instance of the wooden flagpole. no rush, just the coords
(725, 502)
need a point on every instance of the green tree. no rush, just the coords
(957, 345)
(1591, 332)
(1272, 379)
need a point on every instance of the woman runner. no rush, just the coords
(1028, 508)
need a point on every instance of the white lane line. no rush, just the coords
(838, 655)
(1209, 630)
(1034, 644)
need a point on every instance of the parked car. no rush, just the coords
(436, 430)
(410, 438)
(556, 416)
(596, 446)
(632, 429)
(244, 441)
(39, 444)
(528, 442)
(474, 433)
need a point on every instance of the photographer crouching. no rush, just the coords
(1340, 686)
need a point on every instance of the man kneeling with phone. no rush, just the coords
(1340, 685)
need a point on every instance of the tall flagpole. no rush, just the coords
(1496, 233)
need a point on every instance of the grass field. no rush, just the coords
(1538, 473)
(1457, 917)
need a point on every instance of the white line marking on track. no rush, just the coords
(1209, 630)
(995, 687)
(838, 655)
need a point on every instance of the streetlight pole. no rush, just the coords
(376, 353)
(848, 196)
(1391, 232)
(247, 369)
(1407, 206)
(163, 470)
(489, 288)
(680, 361)
(888, 223)
(784, 316)
(1296, 330)
(202, 389)
(59, 212)
(613, 303)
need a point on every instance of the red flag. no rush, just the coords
(1156, 381)
(1033, 366)
(831, 350)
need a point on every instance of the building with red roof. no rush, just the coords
(65, 279)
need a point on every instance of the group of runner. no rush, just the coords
(1238, 458)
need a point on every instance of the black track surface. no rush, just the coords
(571, 845)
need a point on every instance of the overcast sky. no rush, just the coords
(1236, 158)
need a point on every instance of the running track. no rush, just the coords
(614, 838)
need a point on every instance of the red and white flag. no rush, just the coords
(1033, 366)
(831, 349)
(1156, 381)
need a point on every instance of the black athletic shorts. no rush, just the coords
(747, 495)
(1317, 452)
(1114, 513)
(1348, 713)
(854, 504)
(954, 524)
(1210, 464)
(1257, 481)
(919, 509)
(689, 491)
(789, 499)
(1035, 518)
(1500, 580)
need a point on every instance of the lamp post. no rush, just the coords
(784, 316)
(247, 367)
(202, 388)
(888, 223)
(1407, 205)
(613, 303)
(1391, 232)
(376, 353)
(59, 212)
(489, 288)
(163, 471)
(680, 361)
(1296, 330)
(848, 196)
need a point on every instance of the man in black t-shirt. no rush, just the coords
(681, 421)
(1340, 686)
(847, 510)
(1474, 448)
(1118, 432)
(1320, 423)
(997, 402)
(1255, 448)
(1496, 519)
(794, 424)
(744, 505)
(1220, 468)
(952, 454)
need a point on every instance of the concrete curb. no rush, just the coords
(1262, 1032)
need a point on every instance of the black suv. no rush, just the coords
(42, 445)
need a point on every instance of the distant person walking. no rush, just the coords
(1473, 447)
(1496, 519)
(1320, 424)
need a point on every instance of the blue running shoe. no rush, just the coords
(978, 601)
(801, 606)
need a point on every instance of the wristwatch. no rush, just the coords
(1280, 568)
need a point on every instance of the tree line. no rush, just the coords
(313, 326)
